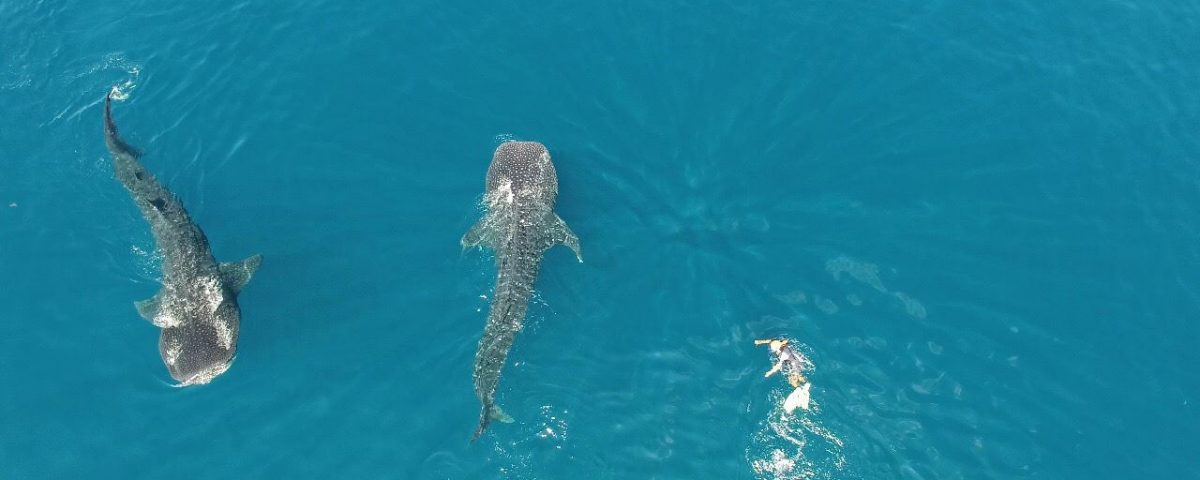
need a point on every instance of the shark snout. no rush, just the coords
(194, 356)
(515, 149)
(203, 376)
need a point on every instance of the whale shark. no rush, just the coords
(197, 307)
(519, 225)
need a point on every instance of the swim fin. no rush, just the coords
(798, 398)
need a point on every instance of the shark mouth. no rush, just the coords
(206, 375)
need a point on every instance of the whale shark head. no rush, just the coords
(199, 349)
(521, 171)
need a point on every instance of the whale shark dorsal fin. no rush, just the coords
(149, 309)
(479, 235)
(559, 232)
(236, 275)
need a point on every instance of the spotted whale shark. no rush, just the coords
(197, 307)
(519, 224)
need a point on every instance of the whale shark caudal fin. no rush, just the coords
(237, 274)
(111, 137)
(490, 413)
(560, 233)
(499, 415)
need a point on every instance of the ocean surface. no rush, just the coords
(979, 220)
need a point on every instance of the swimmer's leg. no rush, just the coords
(796, 380)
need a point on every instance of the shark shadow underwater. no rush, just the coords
(197, 307)
(519, 225)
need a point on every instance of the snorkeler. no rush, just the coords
(791, 363)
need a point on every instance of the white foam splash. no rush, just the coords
(117, 94)
(778, 465)
(554, 428)
(121, 91)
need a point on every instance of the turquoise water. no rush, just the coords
(979, 220)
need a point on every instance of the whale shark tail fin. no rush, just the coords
(499, 415)
(237, 274)
(489, 413)
(113, 139)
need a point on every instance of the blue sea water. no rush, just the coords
(978, 219)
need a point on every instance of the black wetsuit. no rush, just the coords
(793, 364)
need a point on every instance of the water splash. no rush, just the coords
(517, 457)
(121, 91)
(114, 61)
(85, 79)
(147, 262)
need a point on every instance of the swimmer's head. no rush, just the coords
(776, 345)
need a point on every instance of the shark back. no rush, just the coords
(182, 243)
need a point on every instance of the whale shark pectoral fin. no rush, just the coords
(149, 308)
(561, 233)
(478, 235)
(237, 274)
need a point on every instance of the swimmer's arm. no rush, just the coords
(762, 342)
(773, 369)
